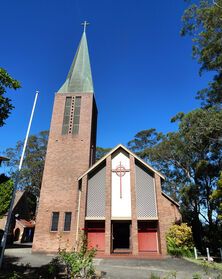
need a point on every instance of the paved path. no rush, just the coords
(119, 268)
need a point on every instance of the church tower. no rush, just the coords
(70, 152)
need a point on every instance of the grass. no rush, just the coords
(201, 262)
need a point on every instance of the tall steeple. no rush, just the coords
(79, 78)
(70, 152)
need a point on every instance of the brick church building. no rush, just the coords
(117, 201)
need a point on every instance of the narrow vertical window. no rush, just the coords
(55, 221)
(75, 129)
(66, 118)
(67, 222)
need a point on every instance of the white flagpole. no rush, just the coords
(3, 242)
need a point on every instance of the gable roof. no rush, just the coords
(26, 224)
(18, 196)
(128, 151)
(2, 158)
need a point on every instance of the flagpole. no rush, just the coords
(4, 239)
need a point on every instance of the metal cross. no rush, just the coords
(120, 170)
(85, 23)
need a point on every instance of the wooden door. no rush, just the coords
(96, 239)
(147, 241)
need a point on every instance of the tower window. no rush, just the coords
(67, 222)
(55, 221)
(65, 125)
(75, 129)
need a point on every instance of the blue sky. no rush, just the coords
(142, 69)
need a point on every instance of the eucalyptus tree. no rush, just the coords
(191, 160)
(202, 20)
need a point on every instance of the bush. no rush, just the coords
(179, 240)
(79, 264)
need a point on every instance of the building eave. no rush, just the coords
(128, 151)
(169, 198)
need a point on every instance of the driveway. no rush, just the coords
(120, 268)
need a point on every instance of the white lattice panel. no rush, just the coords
(96, 195)
(145, 194)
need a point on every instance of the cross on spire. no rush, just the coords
(85, 23)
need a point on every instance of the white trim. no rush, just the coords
(128, 151)
(77, 225)
(121, 218)
(157, 240)
(95, 218)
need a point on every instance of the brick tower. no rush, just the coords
(70, 152)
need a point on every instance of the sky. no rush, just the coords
(142, 69)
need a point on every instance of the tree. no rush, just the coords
(203, 21)
(30, 177)
(6, 189)
(217, 196)
(191, 159)
(144, 141)
(100, 152)
(6, 81)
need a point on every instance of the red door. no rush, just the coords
(96, 239)
(147, 241)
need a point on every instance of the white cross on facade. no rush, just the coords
(120, 171)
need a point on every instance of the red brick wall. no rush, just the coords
(108, 231)
(168, 213)
(68, 156)
(134, 229)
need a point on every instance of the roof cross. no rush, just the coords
(85, 23)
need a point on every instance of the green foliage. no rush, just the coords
(144, 141)
(53, 268)
(196, 276)
(6, 81)
(30, 177)
(16, 275)
(154, 276)
(6, 189)
(205, 267)
(190, 159)
(179, 240)
(100, 152)
(203, 22)
(79, 264)
(171, 275)
(217, 196)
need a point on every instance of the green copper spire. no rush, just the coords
(79, 78)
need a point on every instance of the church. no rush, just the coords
(117, 201)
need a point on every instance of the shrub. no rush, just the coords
(53, 268)
(154, 276)
(79, 264)
(15, 275)
(179, 240)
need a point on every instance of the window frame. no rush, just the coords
(66, 214)
(52, 218)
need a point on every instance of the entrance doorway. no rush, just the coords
(121, 236)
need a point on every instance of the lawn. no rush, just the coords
(205, 264)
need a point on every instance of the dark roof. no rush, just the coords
(25, 223)
(2, 158)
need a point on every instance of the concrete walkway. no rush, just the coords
(120, 268)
